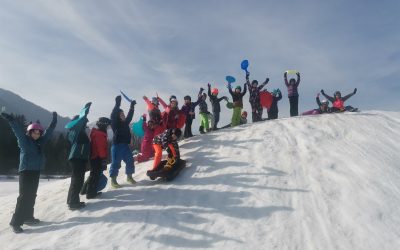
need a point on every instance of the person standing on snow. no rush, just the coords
(78, 158)
(120, 150)
(32, 160)
(254, 89)
(237, 98)
(215, 103)
(293, 93)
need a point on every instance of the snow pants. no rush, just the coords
(237, 112)
(28, 186)
(121, 152)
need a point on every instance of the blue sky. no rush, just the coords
(61, 54)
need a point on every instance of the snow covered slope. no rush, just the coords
(322, 182)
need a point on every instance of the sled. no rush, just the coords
(266, 99)
(169, 175)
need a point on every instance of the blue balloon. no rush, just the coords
(102, 182)
(137, 128)
(230, 79)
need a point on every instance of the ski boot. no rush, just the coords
(170, 163)
(114, 182)
(130, 179)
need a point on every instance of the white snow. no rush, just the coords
(318, 182)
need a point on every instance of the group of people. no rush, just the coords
(162, 131)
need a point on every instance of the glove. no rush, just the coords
(87, 106)
(104, 165)
(8, 117)
(133, 103)
(118, 100)
(322, 92)
(355, 90)
(209, 85)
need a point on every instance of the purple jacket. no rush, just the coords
(292, 88)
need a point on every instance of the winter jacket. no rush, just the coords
(203, 108)
(255, 93)
(154, 111)
(79, 141)
(338, 103)
(122, 132)
(274, 105)
(187, 108)
(216, 107)
(98, 144)
(31, 156)
(237, 98)
(292, 88)
(172, 117)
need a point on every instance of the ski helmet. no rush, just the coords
(187, 98)
(35, 126)
(154, 100)
(214, 91)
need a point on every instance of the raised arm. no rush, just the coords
(349, 95)
(298, 79)
(286, 81)
(49, 131)
(330, 98)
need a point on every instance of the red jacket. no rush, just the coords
(98, 144)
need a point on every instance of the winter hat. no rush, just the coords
(214, 91)
(172, 97)
(187, 98)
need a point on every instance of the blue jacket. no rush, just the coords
(80, 143)
(31, 156)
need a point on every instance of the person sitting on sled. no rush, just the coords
(323, 107)
(169, 141)
(338, 101)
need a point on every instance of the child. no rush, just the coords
(323, 107)
(78, 157)
(338, 101)
(120, 150)
(273, 110)
(98, 155)
(172, 117)
(293, 93)
(203, 111)
(169, 141)
(188, 109)
(254, 99)
(216, 107)
(146, 150)
(153, 109)
(32, 160)
(237, 97)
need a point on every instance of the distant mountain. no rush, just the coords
(17, 105)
